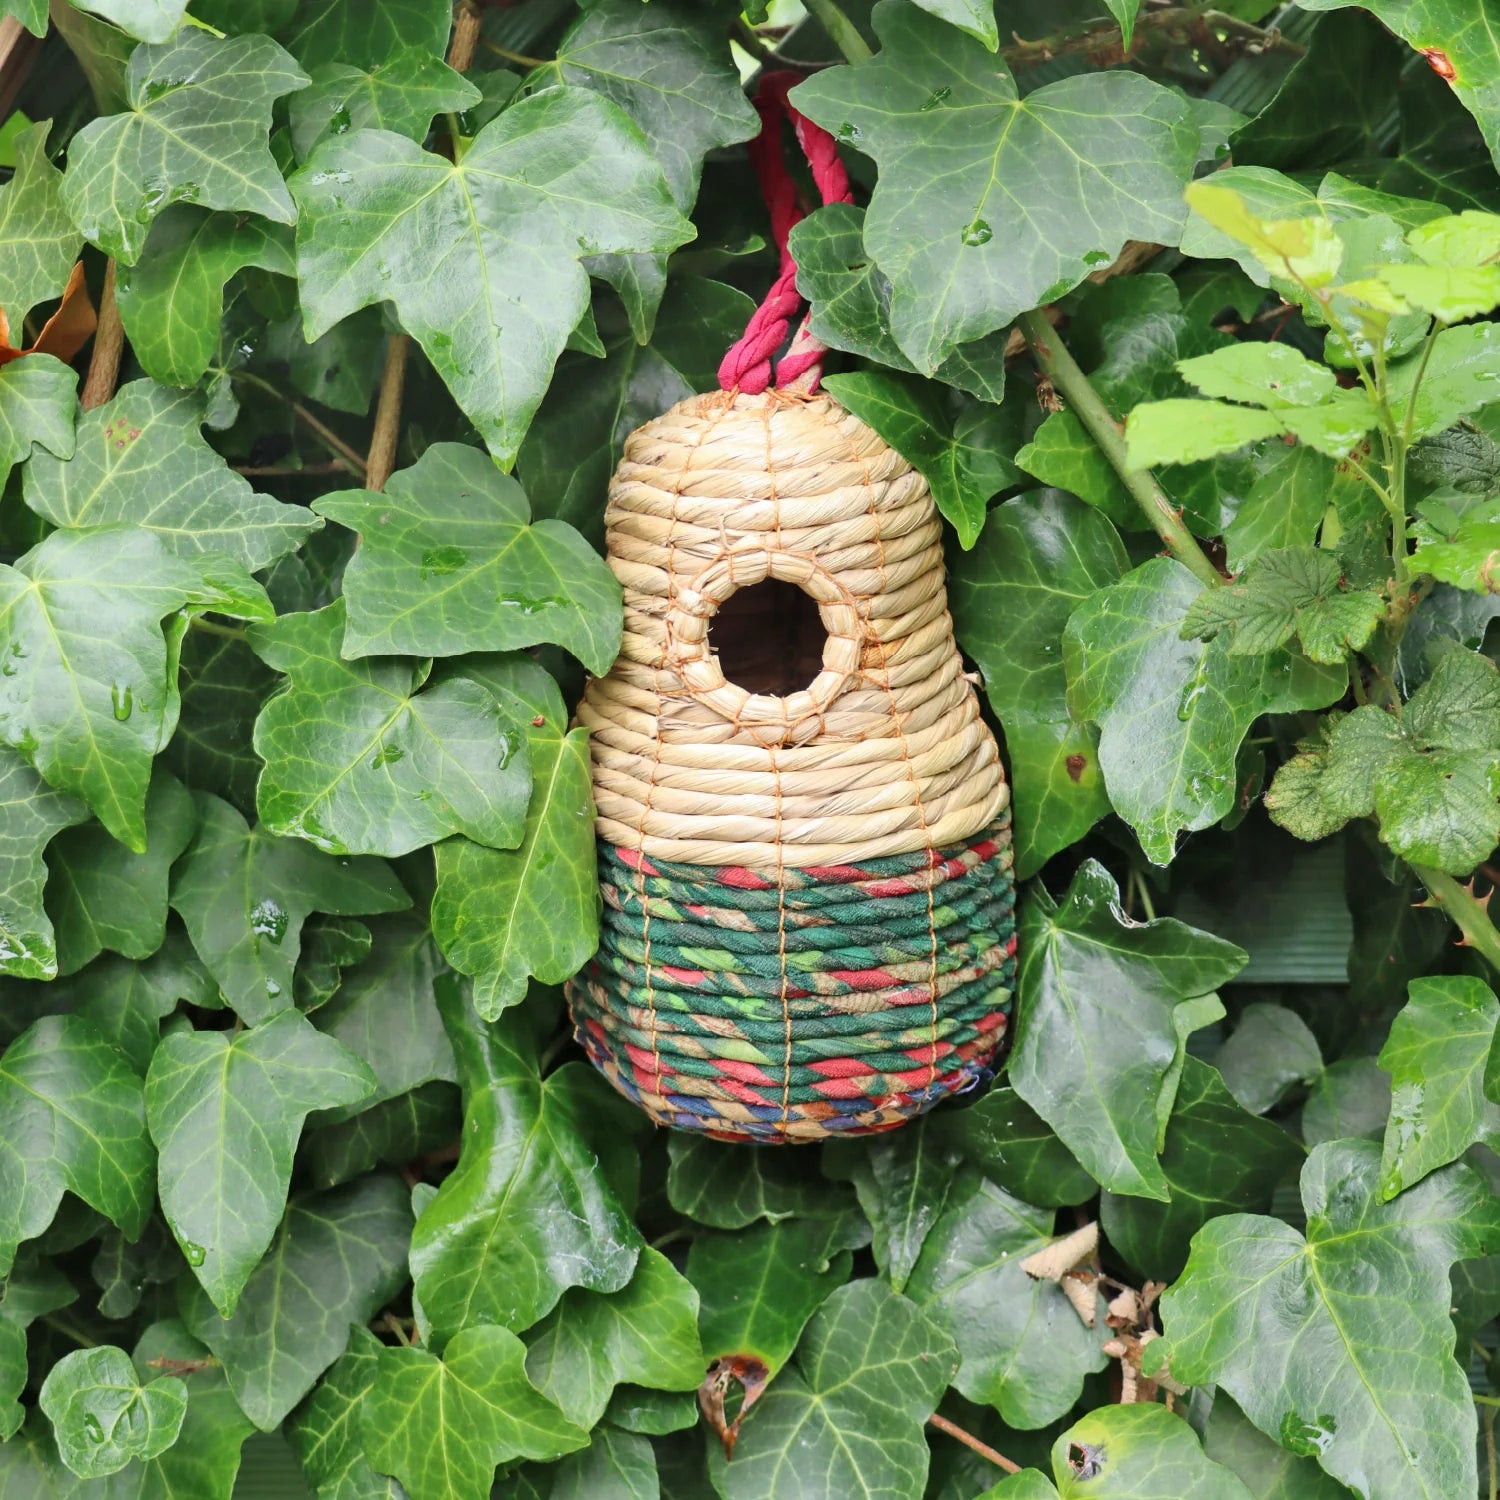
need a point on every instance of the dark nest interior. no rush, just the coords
(769, 638)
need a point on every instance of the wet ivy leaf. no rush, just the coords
(325, 1434)
(385, 1135)
(1271, 1050)
(400, 93)
(225, 1112)
(199, 109)
(329, 946)
(141, 459)
(1022, 1347)
(104, 1416)
(1352, 1098)
(1040, 556)
(963, 259)
(507, 915)
(337, 1258)
(370, 205)
(71, 1119)
(442, 1426)
(1268, 1471)
(1218, 1159)
(731, 1187)
(526, 1214)
(1338, 1343)
(590, 1342)
(1016, 1149)
(30, 814)
(977, 17)
(172, 301)
(1437, 1055)
(849, 1412)
(103, 896)
(41, 244)
(36, 410)
(244, 894)
(362, 32)
(1172, 713)
(359, 761)
(451, 562)
(1098, 996)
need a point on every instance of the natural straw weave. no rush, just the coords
(877, 780)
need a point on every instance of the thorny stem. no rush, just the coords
(1469, 914)
(1062, 370)
(970, 1441)
(841, 30)
(109, 344)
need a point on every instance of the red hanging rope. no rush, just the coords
(747, 366)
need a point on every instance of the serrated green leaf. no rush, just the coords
(325, 1434)
(590, 1342)
(244, 894)
(526, 1214)
(225, 1112)
(358, 761)
(1270, 1050)
(362, 32)
(1268, 375)
(172, 301)
(1039, 557)
(103, 1416)
(1338, 1343)
(507, 915)
(442, 1426)
(39, 240)
(337, 1258)
(30, 814)
(1186, 431)
(1097, 995)
(964, 256)
(195, 130)
(452, 563)
(1462, 375)
(370, 202)
(141, 460)
(103, 896)
(730, 1187)
(400, 92)
(71, 1119)
(36, 410)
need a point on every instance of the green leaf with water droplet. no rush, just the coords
(195, 131)
(1172, 713)
(225, 1112)
(37, 402)
(359, 761)
(244, 894)
(506, 916)
(1338, 1341)
(103, 1416)
(1461, 375)
(38, 241)
(989, 204)
(451, 562)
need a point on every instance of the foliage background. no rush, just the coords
(304, 1187)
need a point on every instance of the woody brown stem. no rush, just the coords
(382, 458)
(109, 344)
(968, 1439)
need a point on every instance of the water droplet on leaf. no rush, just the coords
(440, 561)
(194, 1253)
(268, 920)
(978, 233)
(120, 701)
(937, 98)
(94, 1427)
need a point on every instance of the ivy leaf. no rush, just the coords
(325, 1434)
(363, 32)
(1436, 1053)
(646, 1333)
(199, 109)
(172, 301)
(1294, 592)
(1352, 1098)
(337, 1258)
(71, 1119)
(977, 17)
(358, 761)
(41, 244)
(1218, 1159)
(959, 445)
(225, 1112)
(615, 1466)
(451, 562)
(526, 1214)
(506, 915)
(385, 1135)
(37, 400)
(730, 1187)
(848, 1414)
(442, 1426)
(1172, 714)
(30, 814)
(1022, 1347)
(1040, 556)
(1098, 995)
(1087, 164)
(141, 459)
(103, 896)
(1338, 1344)
(369, 205)
(1267, 1469)
(1285, 505)
(1271, 1050)
(400, 93)
(244, 895)
(223, 685)
(104, 1416)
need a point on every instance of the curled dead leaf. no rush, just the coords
(743, 1370)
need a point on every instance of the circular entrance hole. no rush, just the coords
(769, 638)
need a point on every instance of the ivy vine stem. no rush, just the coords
(841, 30)
(109, 345)
(970, 1441)
(1465, 910)
(1063, 371)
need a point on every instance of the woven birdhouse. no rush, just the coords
(803, 825)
